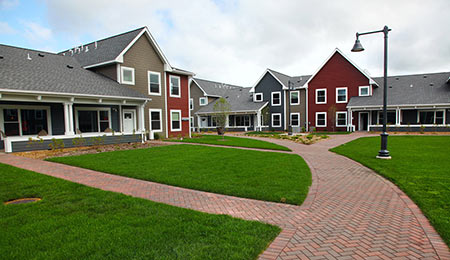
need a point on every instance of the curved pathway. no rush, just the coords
(350, 212)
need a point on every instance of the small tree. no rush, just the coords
(332, 117)
(221, 108)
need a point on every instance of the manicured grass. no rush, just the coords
(258, 175)
(73, 221)
(420, 166)
(233, 141)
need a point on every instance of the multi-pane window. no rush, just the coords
(321, 119)
(242, 120)
(341, 95)
(391, 117)
(91, 120)
(203, 101)
(321, 96)
(364, 91)
(431, 117)
(175, 118)
(341, 118)
(11, 125)
(154, 83)
(295, 119)
(127, 75)
(155, 120)
(276, 120)
(295, 97)
(276, 98)
(24, 121)
(175, 86)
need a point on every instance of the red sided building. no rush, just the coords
(178, 104)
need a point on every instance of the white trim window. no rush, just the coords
(25, 120)
(431, 117)
(93, 119)
(364, 91)
(276, 120)
(175, 88)
(341, 95)
(341, 119)
(294, 98)
(321, 119)
(127, 75)
(321, 96)
(191, 104)
(175, 120)
(155, 119)
(276, 98)
(154, 83)
(203, 101)
(258, 97)
(295, 119)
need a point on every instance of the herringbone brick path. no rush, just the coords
(350, 212)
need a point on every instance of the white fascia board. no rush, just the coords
(262, 76)
(403, 105)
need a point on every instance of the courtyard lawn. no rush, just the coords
(73, 221)
(258, 175)
(420, 166)
(233, 141)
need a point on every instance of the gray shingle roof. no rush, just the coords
(432, 88)
(107, 49)
(51, 73)
(299, 81)
(214, 88)
(240, 99)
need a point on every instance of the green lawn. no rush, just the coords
(232, 141)
(73, 221)
(259, 175)
(420, 166)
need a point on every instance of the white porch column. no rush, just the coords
(141, 126)
(398, 116)
(227, 121)
(349, 120)
(68, 119)
(198, 123)
(258, 121)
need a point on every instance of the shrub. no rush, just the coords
(56, 144)
(156, 136)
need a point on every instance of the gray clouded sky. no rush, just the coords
(235, 41)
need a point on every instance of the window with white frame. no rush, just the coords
(127, 75)
(341, 118)
(155, 120)
(364, 91)
(295, 98)
(321, 96)
(276, 120)
(258, 97)
(191, 103)
(341, 95)
(203, 101)
(276, 98)
(175, 120)
(25, 121)
(91, 120)
(431, 117)
(321, 119)
(154, 83)
(295, 119)
(175, 90)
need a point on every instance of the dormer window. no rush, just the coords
(258, 97)
(203, 101)
(127, 75)
(364, 91)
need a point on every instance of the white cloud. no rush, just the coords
(8, 4)
(36, 33)
(234, 41)
(6, 29)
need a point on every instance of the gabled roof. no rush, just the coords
(283, 79)
(240, 100)
(371, 81)
(111, 50)
(213, 88)
(419, 89)
(31, 71)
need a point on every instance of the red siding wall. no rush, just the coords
(337, 72)
(181, 103)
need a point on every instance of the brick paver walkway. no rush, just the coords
(350, 212)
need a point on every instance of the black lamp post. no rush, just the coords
(383, 153)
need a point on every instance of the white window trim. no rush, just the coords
(346, 94)
(363, 87)
(181, 126)
(150, 119)
(320, 89)
(19, 117)
(179, 86)
(290, 98)
(434, 118)
(290, 119)
(321, 113)
(276, 105)
(122, 69)
(200, 101)
(258, 99)
(276, 114)
(191, 104)
(337, 117)
(98, 109)
(159, 80)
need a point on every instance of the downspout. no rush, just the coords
(306, 109)
(189, 103)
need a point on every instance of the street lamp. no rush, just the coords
(383, 153)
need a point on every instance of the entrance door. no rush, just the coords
(129, 120)
(363, 121)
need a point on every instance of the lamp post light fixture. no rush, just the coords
(383, 153)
